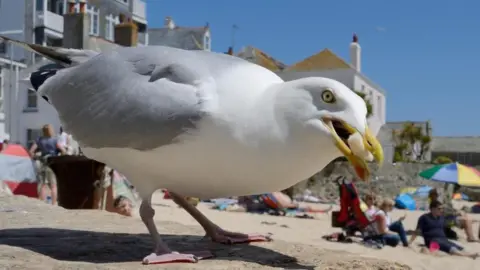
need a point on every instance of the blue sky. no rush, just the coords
(426, 54)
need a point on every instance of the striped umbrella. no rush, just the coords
(17, 171)
(454, 173)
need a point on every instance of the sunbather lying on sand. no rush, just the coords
(275, 201)
(279, 200)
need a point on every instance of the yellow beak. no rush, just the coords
(371, 144)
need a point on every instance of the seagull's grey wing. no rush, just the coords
(131, 98)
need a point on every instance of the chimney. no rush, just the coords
(76, 26)
(169, 23)
(126, 32)
(230, 51)
(355, 53)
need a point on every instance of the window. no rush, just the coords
(110, 26)
(206, 43)
(1, 83)
(379, 107)
(32, 101)
(54, 42)
(39, 5)
(32, 135)
(363, 88)
(94, 20)
(3, 47)
(55, 6)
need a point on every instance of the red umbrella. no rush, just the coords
(17, 171)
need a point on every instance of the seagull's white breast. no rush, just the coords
(216, 164)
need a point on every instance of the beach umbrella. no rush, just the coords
(422, 191)
(409, 190)
(454, 173)
(17, 171)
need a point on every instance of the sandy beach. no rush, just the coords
(34, 235)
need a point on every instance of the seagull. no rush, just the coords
(201, 124)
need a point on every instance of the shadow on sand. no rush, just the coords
(104, 247)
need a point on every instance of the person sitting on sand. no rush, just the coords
(383, 229)
(431, 226)
(371, 207)
(453, 217)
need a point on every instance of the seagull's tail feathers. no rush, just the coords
(62, 56)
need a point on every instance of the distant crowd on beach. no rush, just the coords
(436, 226)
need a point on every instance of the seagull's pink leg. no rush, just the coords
(215, 232)
(162, 253)
(230, 238)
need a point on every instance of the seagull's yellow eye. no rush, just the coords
(328, 97)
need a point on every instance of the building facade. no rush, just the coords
(42, 22)
(9, 74)
(465, 150)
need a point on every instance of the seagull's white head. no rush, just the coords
(330, 108)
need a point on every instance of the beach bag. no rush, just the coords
(450, 233)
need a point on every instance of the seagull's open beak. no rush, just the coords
(341, 132)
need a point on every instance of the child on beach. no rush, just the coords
(123, 206)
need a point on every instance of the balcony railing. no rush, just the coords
(49, 20)
(139, 9)
(142, 39)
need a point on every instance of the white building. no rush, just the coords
(9, 74)
(42, 22)
(328, 64)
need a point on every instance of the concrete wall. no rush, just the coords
(384, 136)
(12, 18)
(11, 14)
(467, 158)
(386, 182)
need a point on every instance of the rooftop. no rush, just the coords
(324, 60)
(261, 58)
(321, 61)
(189, 38)
(456, 144)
